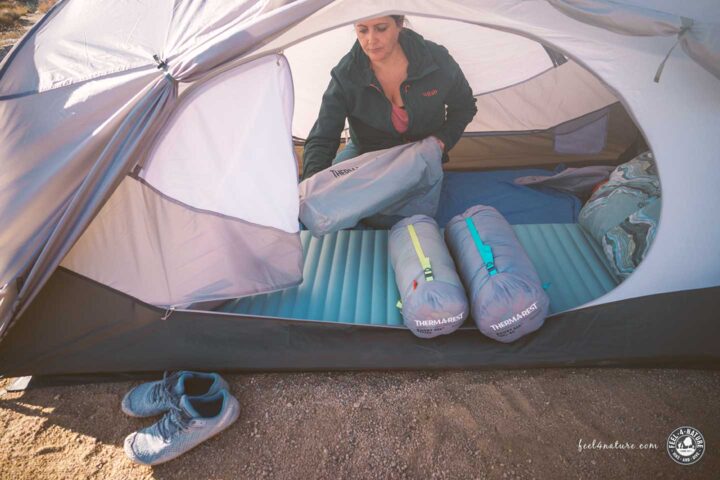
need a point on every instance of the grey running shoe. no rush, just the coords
(154, 398)
(192, 421)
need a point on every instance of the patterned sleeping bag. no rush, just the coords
(622, 214)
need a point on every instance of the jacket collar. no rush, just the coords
(420, 61)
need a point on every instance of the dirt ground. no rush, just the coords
(9, 34)
(438, 425)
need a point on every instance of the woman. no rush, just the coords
(393, 87)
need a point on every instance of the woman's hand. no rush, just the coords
(440, 142)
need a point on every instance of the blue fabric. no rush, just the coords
(350, 151)
(519, 204)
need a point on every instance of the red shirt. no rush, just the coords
(399, 118)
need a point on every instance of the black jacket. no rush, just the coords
(434, 81)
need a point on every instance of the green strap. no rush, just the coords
(424, 261)
(485, 250)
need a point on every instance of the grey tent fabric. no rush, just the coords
(583, 136)
(137, 219)
(135, 132)
(576, 181)
(113, 163)
(507, 300)
(700, 40)
(702, 43)
(404, 180)
(433, 298)
(619, 18)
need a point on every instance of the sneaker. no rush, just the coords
(191, 422)
(154, 398)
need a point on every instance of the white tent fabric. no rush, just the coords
(207, 158)
(557, 96)
(699, 38)
(72, 46)
(99, 86)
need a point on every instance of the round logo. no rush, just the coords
(686, 445)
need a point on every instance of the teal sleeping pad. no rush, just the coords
(348, 278)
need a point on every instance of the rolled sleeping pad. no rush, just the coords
(433, 299)
(397, 182)
(507, 300)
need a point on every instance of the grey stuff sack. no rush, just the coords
(403, 180)
(433, 298)
(507, 300)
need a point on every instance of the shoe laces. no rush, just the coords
(174, 421)
(163, 392)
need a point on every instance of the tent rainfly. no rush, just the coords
(148, 166)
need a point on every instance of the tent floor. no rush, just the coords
(77, 326)
(348, 278)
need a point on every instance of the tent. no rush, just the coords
(148, 166)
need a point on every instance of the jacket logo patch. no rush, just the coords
(430, 93)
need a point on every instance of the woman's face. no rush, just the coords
(378, 37)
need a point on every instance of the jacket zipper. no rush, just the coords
(404, 87)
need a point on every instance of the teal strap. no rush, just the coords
(485, 250)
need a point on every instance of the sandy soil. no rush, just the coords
(8, 36)
(440, 425)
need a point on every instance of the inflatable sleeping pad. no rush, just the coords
(506, 296)
(433, 300)
(400, 181)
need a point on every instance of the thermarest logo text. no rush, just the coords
(343, 171)
(515, 318)
(439, 321)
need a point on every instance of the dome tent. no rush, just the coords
(149, 147)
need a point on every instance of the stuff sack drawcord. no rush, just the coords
(424, 261)
(485, 250)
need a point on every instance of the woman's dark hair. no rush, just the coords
(399, 20)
